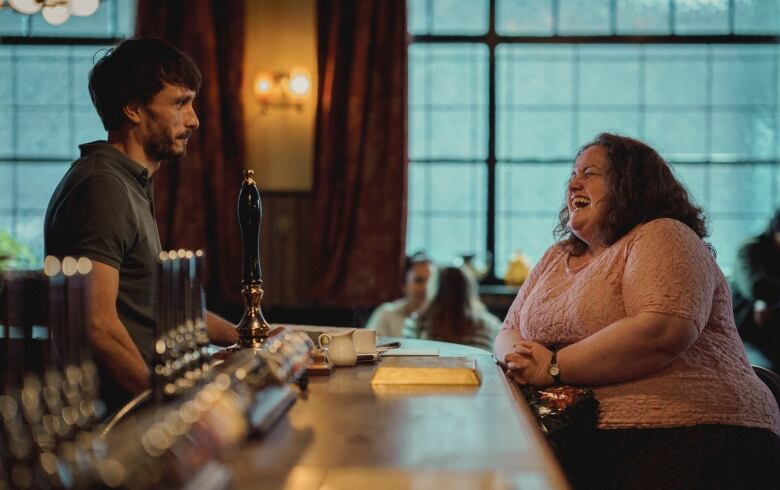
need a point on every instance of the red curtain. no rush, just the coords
(196, 197)
(360, 166)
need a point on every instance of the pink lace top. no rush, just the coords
(661, 266)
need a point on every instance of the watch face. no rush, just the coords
(555, 370)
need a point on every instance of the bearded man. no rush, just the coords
(103, 209)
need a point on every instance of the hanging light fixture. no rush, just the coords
(55, 12)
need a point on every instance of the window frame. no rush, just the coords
(492, 39)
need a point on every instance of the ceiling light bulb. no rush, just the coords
(55, 14)
(26, 6)
(83, 8)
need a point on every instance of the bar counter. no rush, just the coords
(346, 433)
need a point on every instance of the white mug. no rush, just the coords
(341, 350)
(365, 341)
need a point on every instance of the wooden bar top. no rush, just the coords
(346, 433)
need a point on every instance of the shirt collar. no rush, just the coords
(138, 171)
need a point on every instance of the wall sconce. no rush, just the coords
(282, 89)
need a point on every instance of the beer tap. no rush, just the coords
(253, 328)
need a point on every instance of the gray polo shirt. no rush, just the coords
(104, 209)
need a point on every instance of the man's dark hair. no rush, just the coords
(640, 187)
(134, 72)
(416, 258)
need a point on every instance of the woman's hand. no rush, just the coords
(529, 364)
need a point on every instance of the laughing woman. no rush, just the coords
(634, 300)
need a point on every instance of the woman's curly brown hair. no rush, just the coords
(640, 187)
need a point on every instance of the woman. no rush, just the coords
(638, 309)
(455, 313)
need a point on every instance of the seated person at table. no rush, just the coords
(638, 308)
(455, 313)
(388, 318)
(755, 290)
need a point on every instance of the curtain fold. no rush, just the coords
(360, 167)
(196, 197)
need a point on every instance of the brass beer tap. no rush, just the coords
(252, 329)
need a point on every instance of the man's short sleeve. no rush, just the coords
(94, 220)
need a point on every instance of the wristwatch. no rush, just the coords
(554, 370)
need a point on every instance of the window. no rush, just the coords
(497, 110)
(45, 108)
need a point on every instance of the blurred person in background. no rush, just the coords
(755, 289)
(388, 318)
(454, 313)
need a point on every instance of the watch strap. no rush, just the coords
(554, 370)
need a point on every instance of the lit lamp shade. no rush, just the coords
(26, 6)
(264, 84)
(299, 84)
(83, 8)
(55, 14)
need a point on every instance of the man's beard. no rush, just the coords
(161, 146)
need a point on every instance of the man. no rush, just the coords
(388, 318)
(755, 293)
(103, 208)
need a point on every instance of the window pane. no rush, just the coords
(46, 111)
(676, 76)
(6, 187)
(757, 16)
(702, 106)
(43, 133)
(34, 77)
(447, 209)
(532, 187)
(448, 101)
(594, 121)
(417, 18)
(573, 19)
(729, 233)
(534, 90)
(524, 17)
(701, 17)
(677, 134)
(609, 75)
(695, 179)
(744, 75)
(87, 128)
(534, 74)
(6, 132)
(744, 134)
(447, 16)
(645, 17)
(741, 188)
(11, 22)
(535, 134)
(28, 230)
(36, 182)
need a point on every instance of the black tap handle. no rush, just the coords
(250, 214)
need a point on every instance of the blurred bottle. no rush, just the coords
(518, 269)
(474, 266)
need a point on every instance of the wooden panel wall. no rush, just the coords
(284, 248)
